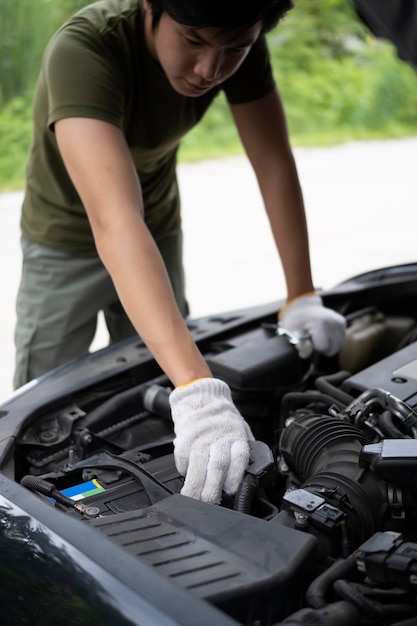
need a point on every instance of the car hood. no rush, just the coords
(395, 20)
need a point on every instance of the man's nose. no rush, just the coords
(209, 65)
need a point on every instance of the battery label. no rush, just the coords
(83, 490)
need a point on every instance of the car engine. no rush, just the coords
(323, 527)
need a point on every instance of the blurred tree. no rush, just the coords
(317, 29)
(25, 27)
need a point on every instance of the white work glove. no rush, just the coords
(312, 326)
(211, 446)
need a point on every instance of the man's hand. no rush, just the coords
(312, 326)
(211, 444)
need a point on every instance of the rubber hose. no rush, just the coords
(316, 592)
(387, 426)
(246, 493)
(347, 591)
(336, 614)
(39, 485)
(326, 384)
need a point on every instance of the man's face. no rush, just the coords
(196, 60)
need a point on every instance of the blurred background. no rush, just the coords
(352, 114)
(338, 82)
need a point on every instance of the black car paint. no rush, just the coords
(54, 572)
(102, 582)
(55, 569)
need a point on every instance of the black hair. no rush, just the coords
(222, 14)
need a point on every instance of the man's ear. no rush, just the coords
(146, 5)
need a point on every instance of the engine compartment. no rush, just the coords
(323, 528)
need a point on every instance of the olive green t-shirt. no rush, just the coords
(98, 66)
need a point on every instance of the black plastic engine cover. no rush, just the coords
(258, 357)
(396, 374)
(242, 564)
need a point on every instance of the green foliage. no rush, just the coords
(340, 79)
(15, 134)
(337, 82)
(371, 91)
(25, 28)
(20, 37)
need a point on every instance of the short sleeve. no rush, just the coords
(81, 77)
(254, 79)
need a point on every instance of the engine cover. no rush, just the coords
(396, 374)
(242, 564)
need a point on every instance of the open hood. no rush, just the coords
(395, 20)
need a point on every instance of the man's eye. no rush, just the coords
(193, 42)
(238, 50)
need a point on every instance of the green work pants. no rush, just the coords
(59, 298)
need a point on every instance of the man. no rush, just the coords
(121, 83)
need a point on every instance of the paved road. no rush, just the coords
(361, 205)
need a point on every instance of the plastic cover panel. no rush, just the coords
(236, 561)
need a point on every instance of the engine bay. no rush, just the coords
(323, 527)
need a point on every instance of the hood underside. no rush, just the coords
(395, 20)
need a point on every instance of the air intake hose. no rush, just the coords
(323, 453)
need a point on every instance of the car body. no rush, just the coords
(94, 530)
(394, 20)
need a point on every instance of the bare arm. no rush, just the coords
(99, 163)
(262, 128)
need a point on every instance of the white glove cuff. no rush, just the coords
(197, 394)
(209, 390)
(310, 299)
